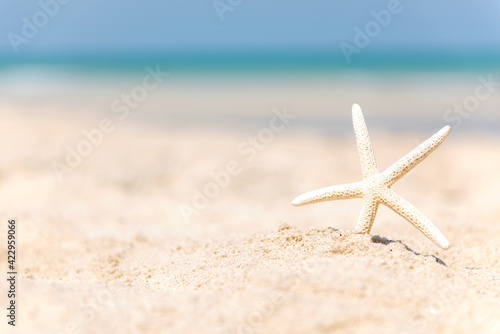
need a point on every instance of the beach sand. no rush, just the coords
(107, 249)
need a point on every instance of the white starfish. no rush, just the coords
(375, 187)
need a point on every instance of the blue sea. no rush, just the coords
(248, 60)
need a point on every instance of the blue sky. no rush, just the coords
(165, 25)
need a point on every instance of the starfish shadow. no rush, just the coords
(381, 240)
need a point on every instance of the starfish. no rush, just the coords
(375, 188)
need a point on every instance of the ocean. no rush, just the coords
(248, 60)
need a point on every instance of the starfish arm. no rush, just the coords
(365, 149)
(406, 210)
(401, 167)
(345, 191)
(367, 215)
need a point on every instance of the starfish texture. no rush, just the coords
(375, 188)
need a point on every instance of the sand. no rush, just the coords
(107, 249)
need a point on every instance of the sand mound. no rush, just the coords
(287, 251)
(271, 282)
(287, 281)
(211, 265)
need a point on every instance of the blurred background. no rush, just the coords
(231, 61)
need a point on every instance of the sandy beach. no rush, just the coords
(124, 242)
(153, 155)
